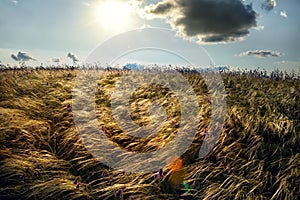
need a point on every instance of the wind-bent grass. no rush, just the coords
(42, 156)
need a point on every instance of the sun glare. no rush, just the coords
(114, 15)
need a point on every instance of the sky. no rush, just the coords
(236, 33)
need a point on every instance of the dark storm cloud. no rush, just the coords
(262, 53)
(268, 5)
(210, 20)
(232, 37)
(22, 57)
(73, 57)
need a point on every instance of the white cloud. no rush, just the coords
(15, 2)
(86, 4)
(145, 26)
(259, 28)
(283, 14)
(268, 5)
(262, 53)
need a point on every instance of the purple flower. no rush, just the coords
(77, 186)
(161, 173)
(118, 194)
(123, 171)
(36, 173)
(204, 135)
(22, 177)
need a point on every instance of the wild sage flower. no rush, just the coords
(159, 174)
(118, 194)
(36, 173)
(22, 177)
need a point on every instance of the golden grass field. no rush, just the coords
(42, 156)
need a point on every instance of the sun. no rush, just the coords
(114, 15)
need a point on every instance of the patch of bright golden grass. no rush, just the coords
(42, 156)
